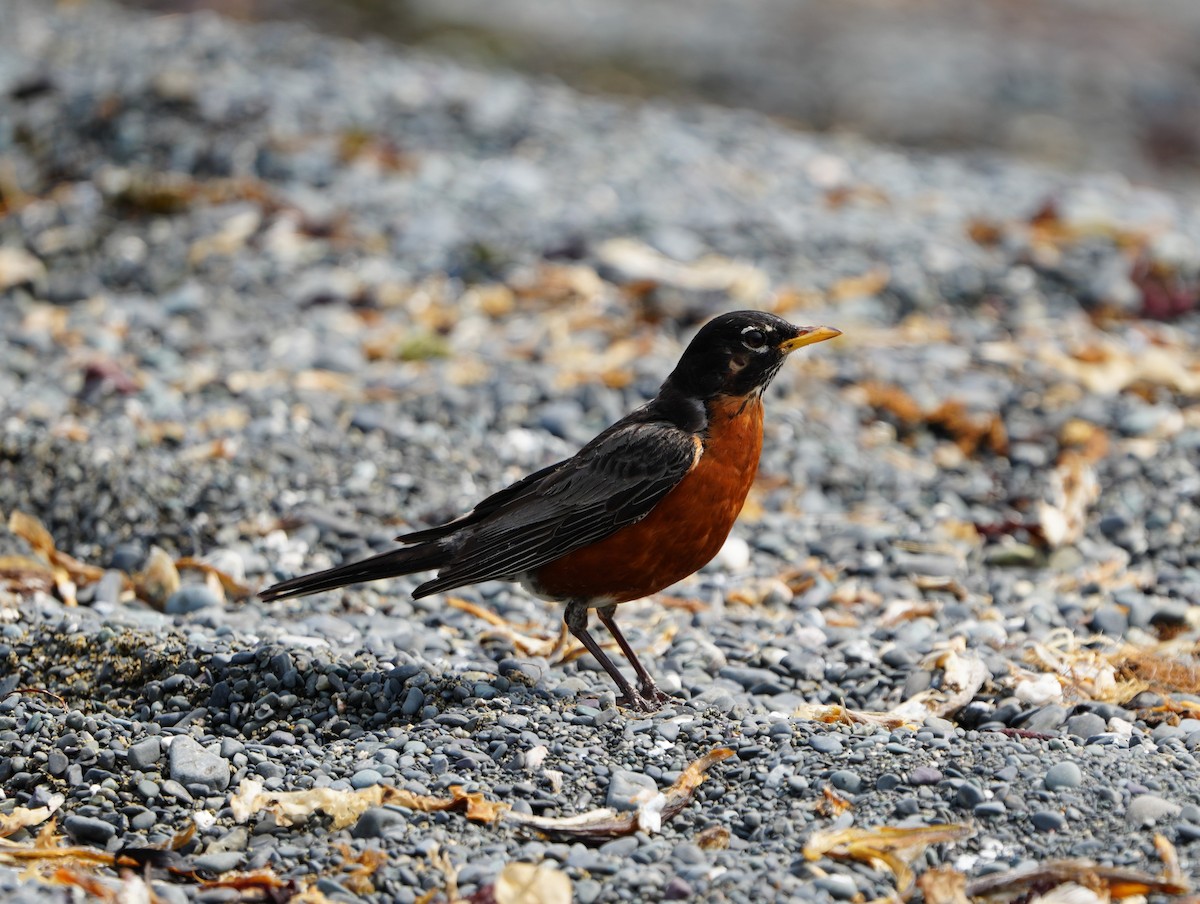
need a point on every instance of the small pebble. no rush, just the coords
(1063, 775)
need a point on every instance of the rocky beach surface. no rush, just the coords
(269, 299)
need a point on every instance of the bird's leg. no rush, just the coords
(576, 618)
(646, 686)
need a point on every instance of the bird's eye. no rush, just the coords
(754, 339)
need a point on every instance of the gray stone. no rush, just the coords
(840, 887)
(1063, 775)
(413, 701)
(1110, 620)
(191, 598)
(375, 822)
(627, 790)
(1086, 725)
(1048, 821)
(218, 862)
(969, 796)
(57, 762)
(89, 829)
(925, 775)
(1047, 718)
(587, 891)
(365, 778)
(990, 809)
(191, 764)
(144, 753)
(846, 780)
(1148, 809)
(824, 743)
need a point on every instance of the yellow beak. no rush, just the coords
(809, 335)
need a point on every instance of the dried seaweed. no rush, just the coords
(884, 847)
(1108, 882)
(606, 823)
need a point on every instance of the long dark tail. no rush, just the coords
(407, 560)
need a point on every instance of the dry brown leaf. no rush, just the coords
(48, 847)
(943, 885)
(22, 575)
(841, 195)
(847, 594)
(885, 846)
(66, 567)
(228, 582)
(326, 381)
(1090, 673)
(1111, 881)
(441, 862)
(291, 807)
(253, 880)
(18, 267)
(24, 817)
(345, 807)
(836, 714)
(240, 381)
(158, 580)
(963, 674)
(986, 233)
(686, 603)
(474, 804)
(940, 584)
(33, 532)
(223, 448)
(864, 285)
(891, 399)
(605, 823)
(357, 869)
(520, 636)
(898, 611)
(99, 888)
(951, 418)
(711, 273)
(157, 432)
(832, 804)
(310, 894)
(714, 838)
(528, 883)
(1169, 856)
(1086, 438)
(968, 431)
(1073, 489)
(1109, 575)
(1108, 367)
(559, 286)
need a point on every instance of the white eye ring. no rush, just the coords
(754, 338)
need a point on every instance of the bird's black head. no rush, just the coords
(738, 354)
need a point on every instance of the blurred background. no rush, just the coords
(1095, 84)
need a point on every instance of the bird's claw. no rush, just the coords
(636, 701)
(648, 698)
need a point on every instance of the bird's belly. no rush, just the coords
(680, 535)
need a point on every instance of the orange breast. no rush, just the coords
(682, 533)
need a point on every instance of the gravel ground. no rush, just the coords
(269, 299)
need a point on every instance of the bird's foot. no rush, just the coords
(636, 701)
(655, 695)
(648, 698)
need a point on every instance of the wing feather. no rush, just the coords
(612, 482)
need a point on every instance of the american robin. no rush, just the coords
(643, 505)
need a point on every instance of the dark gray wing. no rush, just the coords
(614, 481)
